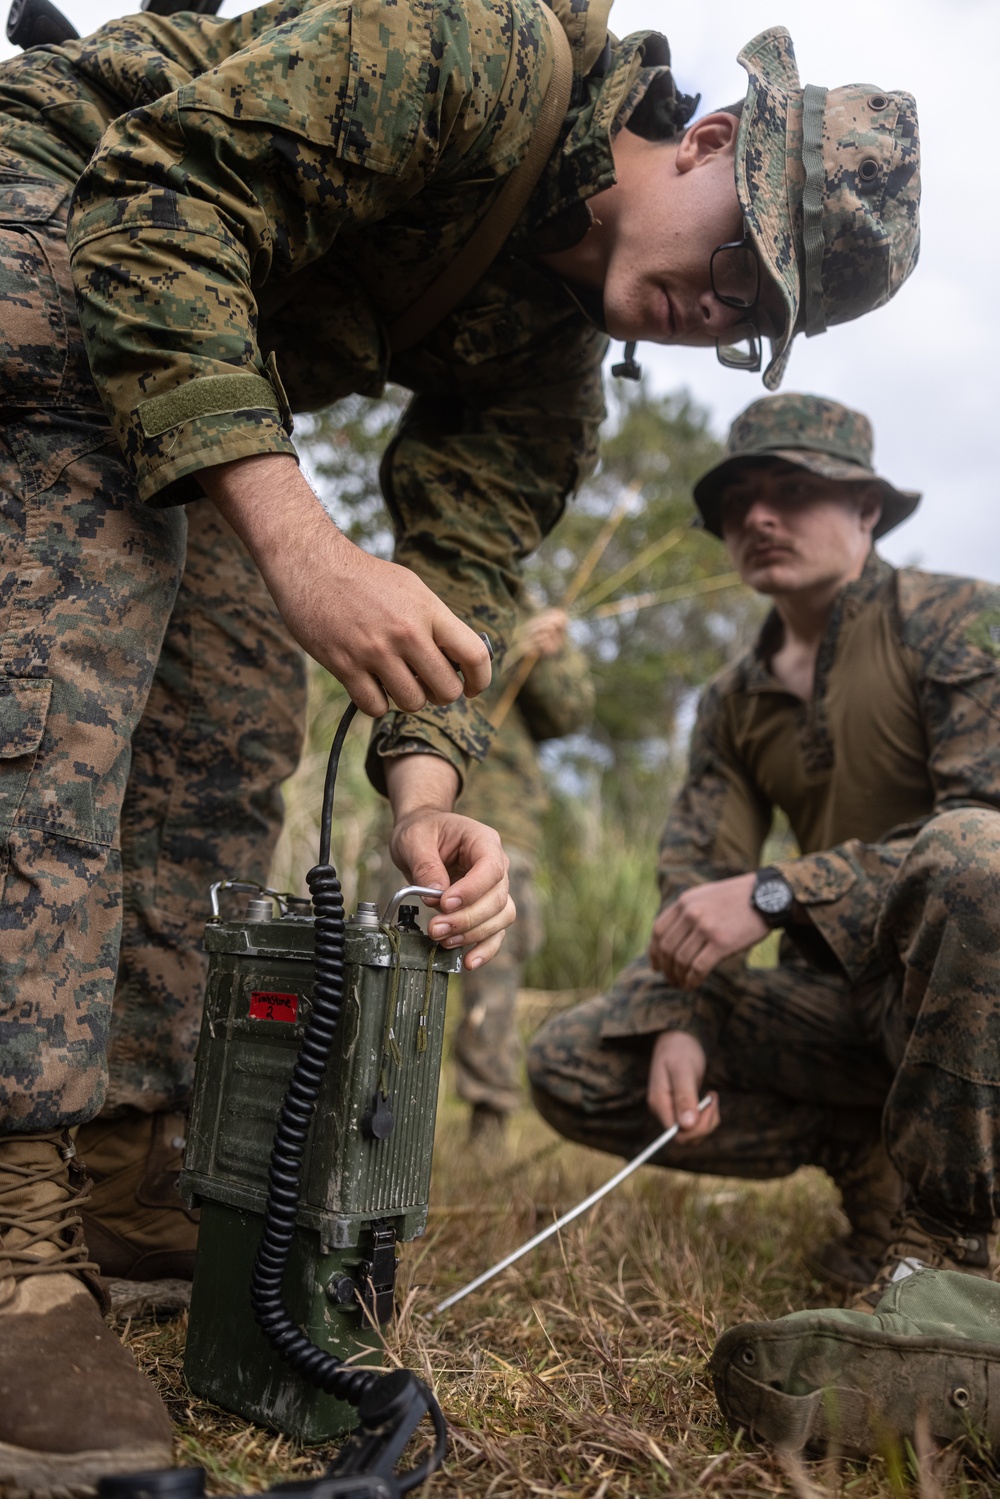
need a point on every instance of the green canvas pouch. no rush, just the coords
(843, 1381)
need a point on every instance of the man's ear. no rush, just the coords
(870, 506)
(713, 135)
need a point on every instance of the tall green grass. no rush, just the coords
(596, 881)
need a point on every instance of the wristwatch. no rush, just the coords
(773, 897)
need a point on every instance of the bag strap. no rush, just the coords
(489, 236)
(832, 1415)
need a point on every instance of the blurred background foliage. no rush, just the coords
(658, 615)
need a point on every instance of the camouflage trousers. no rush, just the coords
(488, 1051)
(810, 1068)
(151, 703)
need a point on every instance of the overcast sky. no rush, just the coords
(923, 368)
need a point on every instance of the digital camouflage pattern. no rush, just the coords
(508, 792)
(900, 726)
(287, 289)
(293, 284)
(148, 684)
(252, 303)
(887, 1005)
(812, 432)
(829, 184)
(809, 1064)
(103, 592)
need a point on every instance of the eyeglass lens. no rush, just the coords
(736, 275)
(740, 349)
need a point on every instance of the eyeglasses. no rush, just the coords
(734, 272)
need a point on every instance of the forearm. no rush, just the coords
(417, 783)
(272, 508)
(374, 625)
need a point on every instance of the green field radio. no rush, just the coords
(310, 1143)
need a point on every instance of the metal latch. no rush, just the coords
(378, 1282)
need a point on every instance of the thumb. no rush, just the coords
(686, 1096)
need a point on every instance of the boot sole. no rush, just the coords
(73, 1473)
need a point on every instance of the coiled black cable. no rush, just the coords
(291, 1135)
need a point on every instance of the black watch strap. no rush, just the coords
(773, 897)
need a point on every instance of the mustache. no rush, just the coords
(766, 541)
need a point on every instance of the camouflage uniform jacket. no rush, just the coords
(508, 790)
(265, 194)
(903, 724)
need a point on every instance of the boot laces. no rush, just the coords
(51, 1223)
(921, 1245)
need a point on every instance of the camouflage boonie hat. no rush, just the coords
(815, 434)
(829, 185)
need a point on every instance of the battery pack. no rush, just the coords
(366, 1171)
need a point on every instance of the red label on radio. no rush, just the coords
(267, 1006)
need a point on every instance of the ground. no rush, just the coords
(581, 1371)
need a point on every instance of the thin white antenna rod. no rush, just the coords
(581, 1207)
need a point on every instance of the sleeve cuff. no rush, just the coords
(458, 733)
(825, 886)
(212, 419)
(642, 1003)
(174, 479)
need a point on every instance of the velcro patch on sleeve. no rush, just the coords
(214, 395)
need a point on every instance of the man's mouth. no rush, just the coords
(666, 319)
(767, 551)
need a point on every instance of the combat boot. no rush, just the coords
(920, 1242)
(136, 1225)
(871, 1195)
(73, 1406)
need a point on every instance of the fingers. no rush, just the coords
(676, 1074)
(691, 961)
(486, 949)
(704, 1122)
(477, 917)
(546, 632)
(475, 909)
(481, 934)
(374, 624)
(416, 676)
(417, 665)
(463, 647)
(704, 925)
(365, 691)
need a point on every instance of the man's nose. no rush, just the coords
(717, 318)
(760, 514)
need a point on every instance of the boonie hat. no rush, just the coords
(813, 433)
(829, 185)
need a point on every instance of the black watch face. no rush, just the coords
(772, 897)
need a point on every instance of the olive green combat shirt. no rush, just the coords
(259, 197)
(904, 722)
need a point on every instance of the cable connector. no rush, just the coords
(629, 369)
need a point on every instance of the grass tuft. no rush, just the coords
(580, 1371)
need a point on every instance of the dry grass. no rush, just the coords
(580, 1372)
